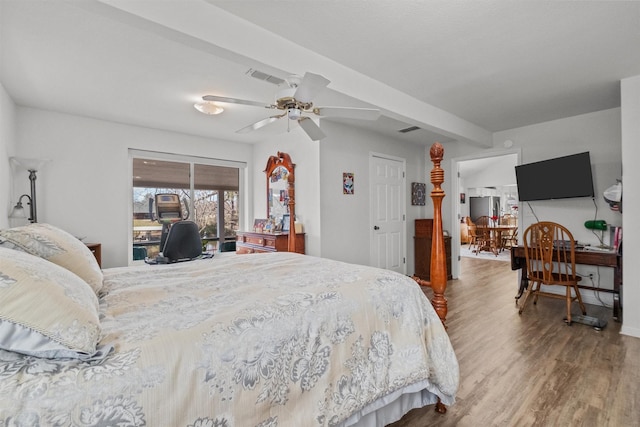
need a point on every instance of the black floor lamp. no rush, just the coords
(32, 165)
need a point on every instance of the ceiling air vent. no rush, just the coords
(256, 74)
(409, 129)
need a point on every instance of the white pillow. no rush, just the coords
(45, 310)
(57, 246)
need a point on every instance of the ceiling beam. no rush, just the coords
(201, 25)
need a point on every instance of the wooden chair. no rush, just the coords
(509, 238)
(473, 235)
(464, 230)
(550, 256)
(484, 237)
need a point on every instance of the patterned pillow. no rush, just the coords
(45, 310)
(57, 246)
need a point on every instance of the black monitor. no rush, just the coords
(558, 178)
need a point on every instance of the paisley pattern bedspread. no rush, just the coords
(276, 339)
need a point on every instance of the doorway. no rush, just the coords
(481, 174)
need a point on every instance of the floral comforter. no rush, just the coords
(275, 339)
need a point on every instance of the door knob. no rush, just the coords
(375, 227)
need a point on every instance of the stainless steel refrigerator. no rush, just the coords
(481, 206)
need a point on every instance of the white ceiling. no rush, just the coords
(459, 70)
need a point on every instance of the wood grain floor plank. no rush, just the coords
(532, 369)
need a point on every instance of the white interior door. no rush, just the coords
(388, 231)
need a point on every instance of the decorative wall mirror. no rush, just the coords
(278, 193)
(281, 193)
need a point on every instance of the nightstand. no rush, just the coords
(96, 249)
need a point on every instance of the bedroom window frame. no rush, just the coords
(192, 161)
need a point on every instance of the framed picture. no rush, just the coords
(347, 183)
(418, 193)
(286, 222)
(258, 224)
(463, 198)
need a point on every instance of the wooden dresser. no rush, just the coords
(249, 242)
(422, 249)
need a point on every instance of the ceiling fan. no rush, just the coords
(295, 102)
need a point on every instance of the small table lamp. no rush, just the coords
(598, 224)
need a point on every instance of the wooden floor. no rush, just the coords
(532, 369)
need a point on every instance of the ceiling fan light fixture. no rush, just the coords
(294, 113)
(208, 107)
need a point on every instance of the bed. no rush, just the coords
(276, 339)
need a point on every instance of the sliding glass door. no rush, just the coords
(209, 195)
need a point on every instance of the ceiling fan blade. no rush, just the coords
(260, 123)
(311, 128)
(348, 113)
(310, 86)
(235, 101)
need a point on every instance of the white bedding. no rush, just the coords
(277, 339)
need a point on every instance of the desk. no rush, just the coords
(585, 257)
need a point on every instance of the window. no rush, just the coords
(208, 188)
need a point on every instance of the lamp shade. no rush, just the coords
(29, 164)
(18, 212)
(596, 224)
(209, 108)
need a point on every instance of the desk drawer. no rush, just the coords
(252, 242)
(260, 241)
(242, 249)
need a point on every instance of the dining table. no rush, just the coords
(495, 233)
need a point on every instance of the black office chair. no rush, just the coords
(183, 242)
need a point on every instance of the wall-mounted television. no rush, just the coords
(558, 178)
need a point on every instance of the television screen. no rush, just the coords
(559, 178)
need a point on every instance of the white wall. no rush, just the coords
(502, 173)
(499, 174)
(337, 226)
(630, 123)
(345, 222)
(7, 149)
(88, 176)
(85, 188)
(598, 133)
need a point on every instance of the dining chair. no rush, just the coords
(509, 238)
(485, 240)
(472, 233)
(508, 219)
(550, 258)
